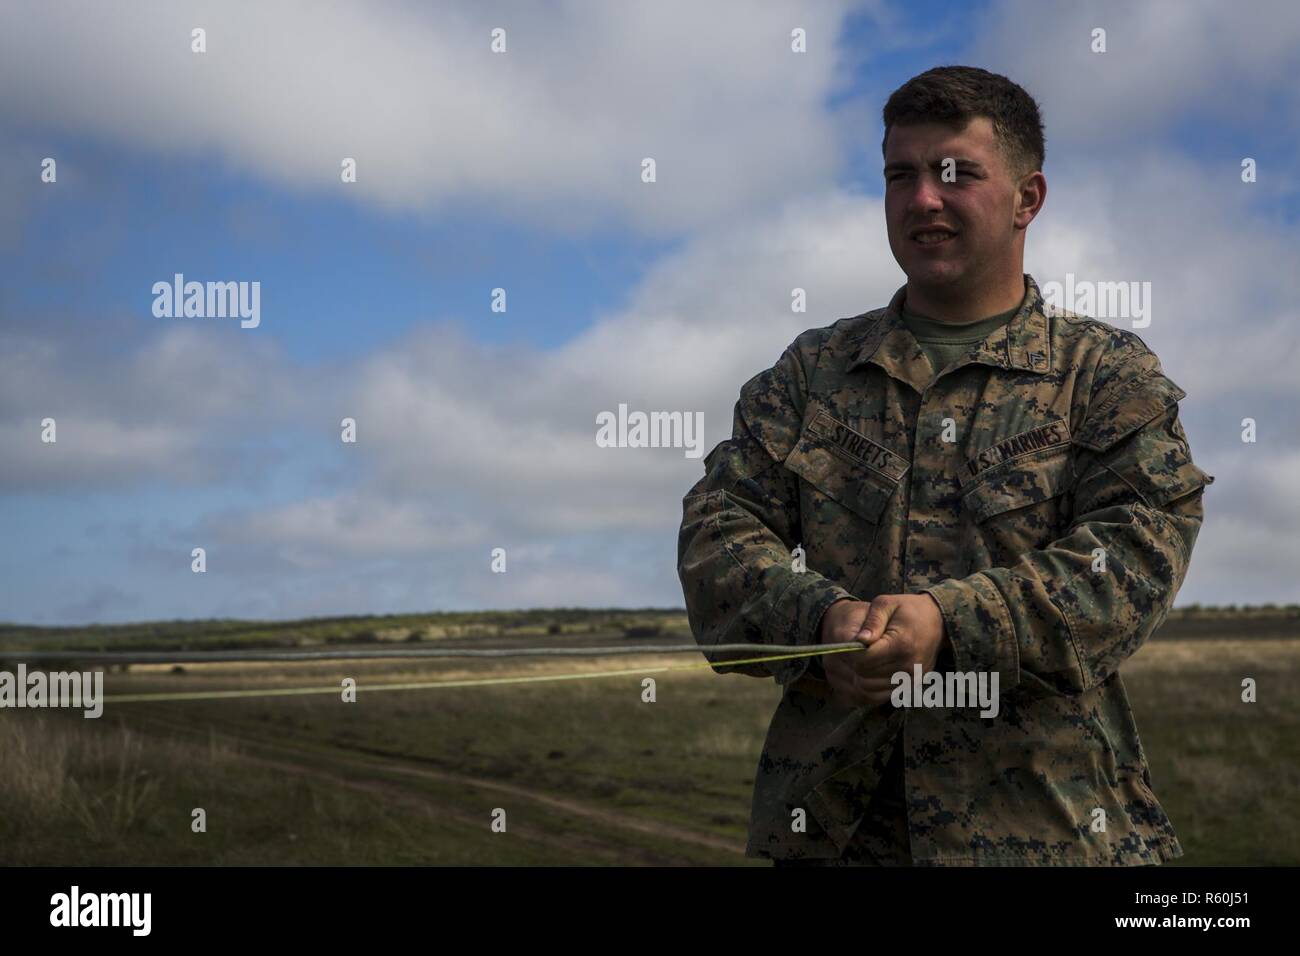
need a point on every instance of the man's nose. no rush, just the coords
(925, 196)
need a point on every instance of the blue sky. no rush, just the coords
(522, 171)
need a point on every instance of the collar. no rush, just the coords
(1024, 343)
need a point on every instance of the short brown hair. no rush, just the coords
(954, 95)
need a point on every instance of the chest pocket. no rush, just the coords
(847, 481)
(1020, 504)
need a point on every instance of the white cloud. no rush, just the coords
(1223, 296)
(315, 532)
(174, 406)
(1167, 61)
(552, 131)
(519, 428)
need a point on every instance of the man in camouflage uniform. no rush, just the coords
(980, 484)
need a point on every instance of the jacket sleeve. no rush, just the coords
(740, 525)
(1063, 618)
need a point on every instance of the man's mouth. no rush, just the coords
(934, 237)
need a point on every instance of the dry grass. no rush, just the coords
(102, 784)
(1226, 771)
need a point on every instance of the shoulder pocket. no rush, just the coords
(846, 466)
(1158, 463)
(1127, 409)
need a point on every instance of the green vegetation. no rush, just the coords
(586, 771)
(211, 635)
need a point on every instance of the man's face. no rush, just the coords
(975, 214)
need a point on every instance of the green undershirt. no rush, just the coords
(945, 342)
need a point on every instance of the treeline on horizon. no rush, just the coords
(1192, 620)
(222, 633)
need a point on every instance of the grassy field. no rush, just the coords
(586, 772)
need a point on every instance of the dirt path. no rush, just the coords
(297, 759)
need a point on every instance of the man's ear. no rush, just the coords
(1031, 193)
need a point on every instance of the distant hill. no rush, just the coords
(224, 634)
(1193, 621)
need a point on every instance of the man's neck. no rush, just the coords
(964, 308)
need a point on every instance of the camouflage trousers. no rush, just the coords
(881, 838)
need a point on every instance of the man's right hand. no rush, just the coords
(840, 625)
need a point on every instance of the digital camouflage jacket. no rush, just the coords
(1041, 489)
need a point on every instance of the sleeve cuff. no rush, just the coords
(979, 628)
(799, 613)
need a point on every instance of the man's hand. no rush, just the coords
(899, 630)
(842, 624)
